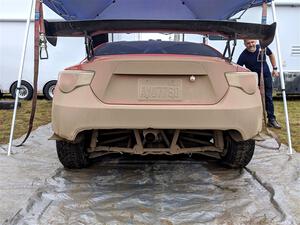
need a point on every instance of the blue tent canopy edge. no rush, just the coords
(149, 9)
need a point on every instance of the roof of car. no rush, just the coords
(156, 47)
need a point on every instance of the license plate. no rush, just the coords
(160, 89)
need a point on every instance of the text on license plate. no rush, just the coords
(160, 89)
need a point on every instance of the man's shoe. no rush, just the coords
(274, 124)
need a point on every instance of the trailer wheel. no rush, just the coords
(237, 153)
(49, 89)
(25, 92)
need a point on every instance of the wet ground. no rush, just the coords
(122, 189)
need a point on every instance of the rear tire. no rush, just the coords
(73, 155)
(25, 92)
(238, 154)
(49, 89)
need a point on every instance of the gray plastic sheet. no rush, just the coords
(123, 189)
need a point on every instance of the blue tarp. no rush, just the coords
(149, 9)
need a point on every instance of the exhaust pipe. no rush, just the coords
(150, 135)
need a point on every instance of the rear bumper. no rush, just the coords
(80, 110)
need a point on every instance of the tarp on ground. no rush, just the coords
(124, 189)
(149, 9)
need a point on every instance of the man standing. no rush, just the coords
(250, 58)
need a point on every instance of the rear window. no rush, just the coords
(156, 47)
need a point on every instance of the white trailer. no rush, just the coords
(69, 51)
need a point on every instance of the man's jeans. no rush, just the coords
(269, 97)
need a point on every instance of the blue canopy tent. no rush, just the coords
(149, 9)
(159, 12)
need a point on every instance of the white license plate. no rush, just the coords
(160, 89)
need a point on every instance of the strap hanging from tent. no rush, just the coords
(39, 33)
(262, 55)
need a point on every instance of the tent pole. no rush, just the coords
(19, 79)
(282, 82)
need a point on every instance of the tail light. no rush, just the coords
(247, 81)
(72, 79)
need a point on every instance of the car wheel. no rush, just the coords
(49, 89)
(25, 92)
(237, 154)
(72, 155)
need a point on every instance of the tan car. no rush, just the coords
(156, 97)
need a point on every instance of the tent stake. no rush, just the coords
(282, 82)
(19, 79)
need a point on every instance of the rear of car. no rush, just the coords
(155, 97)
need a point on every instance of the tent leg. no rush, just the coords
(20, 78)
(282, 82)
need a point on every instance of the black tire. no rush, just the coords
(237, 154)
(4, 104)
(72, 155)
(25, 92)
(48, 89)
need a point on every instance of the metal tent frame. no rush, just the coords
(290, 150)
(20, 78)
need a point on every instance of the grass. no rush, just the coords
(294, 118)
(43, 116)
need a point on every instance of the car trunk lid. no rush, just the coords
(157, 79)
